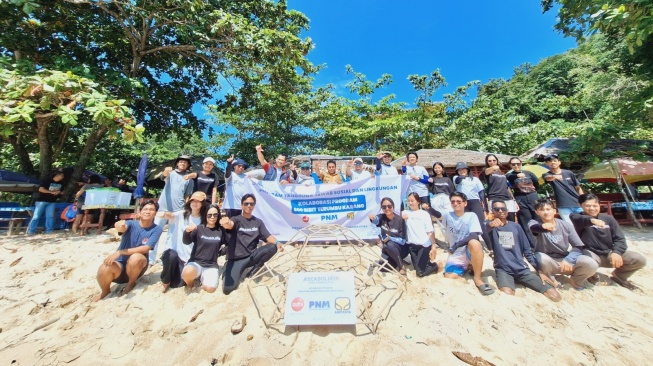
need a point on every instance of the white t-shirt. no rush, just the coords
(234, 191)
(363, 174)
(456, 228)
(177, 245)
(416, 186)
(470, 187)
(418, 227)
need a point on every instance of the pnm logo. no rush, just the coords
(322, 304)
(297, 304)
(343, 303)
(350, 215)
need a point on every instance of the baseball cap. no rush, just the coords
(358, 161)
(208, 160)
(305, 165)
(183, 157)
(240, 162)
(550, 157)
(461, 165)
(386, 153)
(198, 196)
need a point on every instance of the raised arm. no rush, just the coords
(259, 155)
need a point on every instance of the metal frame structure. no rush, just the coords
(377, 284)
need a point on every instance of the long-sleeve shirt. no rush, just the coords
(384, 169)
(601, 241)
(556, 243)
(207, 245)
(511, 246)
(418, 186)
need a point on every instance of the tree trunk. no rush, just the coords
(93, 140)
(45, 149)
(26, 166)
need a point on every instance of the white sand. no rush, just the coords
(602, 325)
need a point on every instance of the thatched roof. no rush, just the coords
(449, 157)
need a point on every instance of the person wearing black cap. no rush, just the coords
(234, 186)
(383, 167)
(566, 187)
(175, 193)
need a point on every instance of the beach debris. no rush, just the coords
(49, 322)
(196, 315)
(409, 337)
(238, 325)
(15, 262)
(472, 360)
(249, 337)
(46, 302)
(214, 362)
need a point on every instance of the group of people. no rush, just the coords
(198, 234)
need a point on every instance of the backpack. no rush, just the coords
(69, 213)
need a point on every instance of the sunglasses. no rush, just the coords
(385, 207)
(306, 168)
(358, 163)
(499, 209)
(209, 215)
(515, 164)
(456, 201)
(249, 204)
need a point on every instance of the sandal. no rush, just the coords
(485, 289)
(238, 325)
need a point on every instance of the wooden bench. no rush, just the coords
(15, 224)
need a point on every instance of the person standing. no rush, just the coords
(234, 186)
(566, 187)
(304, 177)
(358, 172)
(605, 243)
(419, 177)
(49, 191)
(331, 175)
(383, 167)
(206, 181)
(175, 193)
(441, 188)
(276, 172)
(474, 192)
(497, 185)
(93, 182)
(524, 188)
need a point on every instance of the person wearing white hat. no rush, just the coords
(358, 172)
(206, 181)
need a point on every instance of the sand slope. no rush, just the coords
(55, 279)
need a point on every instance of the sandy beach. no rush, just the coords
(54, 281)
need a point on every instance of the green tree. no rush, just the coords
(163, 58)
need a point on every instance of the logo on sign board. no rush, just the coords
(319, 304)
(343, 303)
(305, 218)
(350, 215)
(297, 304)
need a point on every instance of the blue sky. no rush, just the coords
(466, 40)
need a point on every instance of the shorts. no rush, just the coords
(123, 278)
(527, 278)
(208, 276)
(511, 205)
(458, 262)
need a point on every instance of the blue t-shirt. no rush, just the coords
(136, 236)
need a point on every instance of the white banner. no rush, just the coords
(285, 209)
(320, 298)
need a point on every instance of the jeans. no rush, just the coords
(39, 209)
(564, 212)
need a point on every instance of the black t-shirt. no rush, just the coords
(51, 186)
(394, 227)
(205, 183)
(523, 186)
(245, 235)
(564, 190)
(207, 245)
(442, 185)
(497, 186)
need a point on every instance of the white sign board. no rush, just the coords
(287, 208)
(318, 298)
